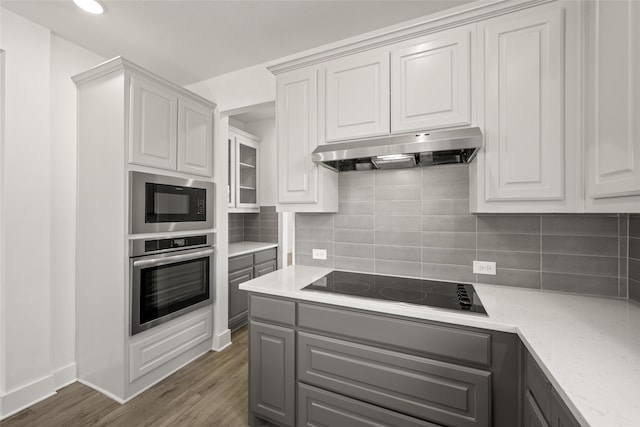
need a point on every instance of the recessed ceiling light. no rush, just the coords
(91, 6)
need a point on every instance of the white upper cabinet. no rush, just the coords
(613, 106)
(356, 96)
(244, 171)
(153, 124)
(528, 163)
(169, 131)
(431, 81)
(195, 138)
(302, 185)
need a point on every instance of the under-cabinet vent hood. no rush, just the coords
(401, 151)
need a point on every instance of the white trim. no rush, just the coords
(465, 14)
(105, 392)
(221, 341)
(64, 376)
(25, 396)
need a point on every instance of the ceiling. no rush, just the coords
(189, 41)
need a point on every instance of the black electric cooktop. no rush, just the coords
(432, 293)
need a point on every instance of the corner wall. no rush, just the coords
(37, 285)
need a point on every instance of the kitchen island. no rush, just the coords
(588, 347)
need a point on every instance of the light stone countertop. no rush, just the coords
(589, 347)
(242, 248)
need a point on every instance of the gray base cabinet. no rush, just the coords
(543, 407)
(319, 365)
(243, 268)
(271, 363)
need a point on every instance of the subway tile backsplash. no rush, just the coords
(416, 223)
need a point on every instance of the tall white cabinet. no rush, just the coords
(129, 119)
(612, 116)
(303, 186)
(529, 89)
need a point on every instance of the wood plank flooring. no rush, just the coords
(211, 391)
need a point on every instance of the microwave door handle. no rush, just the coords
(171, 259)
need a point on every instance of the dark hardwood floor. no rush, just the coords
(211, 391)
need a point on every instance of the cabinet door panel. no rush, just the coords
(154, 112)
(247, 173)
(271, 365)
(613, 125)
(238, 299)
(524, 108)
(195, 138)
(266, 268)
(560, 414)
(532, 414)
(357, 96)
(430, 80)
(297, 136)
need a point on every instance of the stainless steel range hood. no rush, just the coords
(401, 151)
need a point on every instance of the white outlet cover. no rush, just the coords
(319, 254)
(484, 267)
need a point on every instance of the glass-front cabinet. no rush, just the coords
(244, 155)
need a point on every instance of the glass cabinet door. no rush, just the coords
(244, 163)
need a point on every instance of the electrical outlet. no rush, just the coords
(484, 267)
(319, 254)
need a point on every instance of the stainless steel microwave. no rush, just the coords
(162, 203)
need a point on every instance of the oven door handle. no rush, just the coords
(171, 259)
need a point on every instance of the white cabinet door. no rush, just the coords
(356, 96)
(153, 134)
(247, 154)
(297, 136)
(431, 81)
(195, 138)
(613, 104)
(524, 153)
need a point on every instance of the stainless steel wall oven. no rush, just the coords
(169, 277)
(162, 203)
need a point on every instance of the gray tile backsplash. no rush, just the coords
(634, 258)
(254, 227)
(416, 223)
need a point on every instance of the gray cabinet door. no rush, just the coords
(265, 268)
(533, 416)
(423, 388)
(317, 407)
(560, 414)
(238, 298)
(271, 372)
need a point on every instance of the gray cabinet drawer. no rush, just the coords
(318, 407)
(266, 268)
(537, 385)
(428, 389)
(272, 310)
(264, 256)
(438, 340)
(240, 262)
(532, 414)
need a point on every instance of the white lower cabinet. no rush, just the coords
(530, 85)
(303, 186)
(612, 121)
(158, 348)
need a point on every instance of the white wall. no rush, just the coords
(266, 129)
(37, 316)
(67, 59)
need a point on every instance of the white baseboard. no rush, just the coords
(101, 390)
(64, 376)
(221, 341)
(25, 396)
